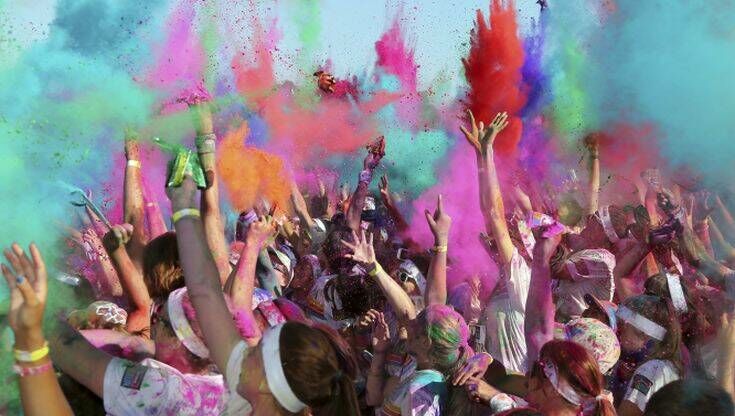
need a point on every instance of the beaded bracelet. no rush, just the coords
(32, 371)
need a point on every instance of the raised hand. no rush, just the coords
(474, 367)
(261, 231)
(652, 179)
(473, 133)
(499, 123)
(118, 236)
(439, 222)
(380, 339)
(366, 320)
(362, 249)
(667, 202)
(479, 391)
(132, 150)
(27, 282)
(376, 151)
(592, 144)
(325, 81)
(384, 187)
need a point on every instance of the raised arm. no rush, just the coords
(591, 143)
(490, 186)
(240, 286)
(131, 279)
(156, 223)
(436, 280)
(390, 205)
(133, 205)
(300, 207)
(727, 223)
(363, 252)
(376, 152)
(201, 275)
(108, 283)
(726, 358)
(539, 321)
(214, 227)
(26, 277)
(380, 340)
(727, 251)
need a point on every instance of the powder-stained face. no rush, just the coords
(169, 349)
(631, 339)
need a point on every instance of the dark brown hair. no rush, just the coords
(320, 368)
(661, 311)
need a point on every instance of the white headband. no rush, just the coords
(560, 384)
(641, 323)
(677, 293)
(566, 391)
(181, 325)
(604, 215)
(277, 383)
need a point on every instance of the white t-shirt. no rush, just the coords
(151, 387)
(648, 379)
(505, 315)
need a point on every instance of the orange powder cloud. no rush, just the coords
(249, 173)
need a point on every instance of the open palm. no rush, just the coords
(362, 248)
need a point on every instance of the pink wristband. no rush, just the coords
(32, 371)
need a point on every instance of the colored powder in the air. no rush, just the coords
(179, 60)
(493, 71)
(534, 77)
(566, 61)
(459, 189)
(571, 112)
(305, 136)
(676, 74)
(396, 57)
(250, 174)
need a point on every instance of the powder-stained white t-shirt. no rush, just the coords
(648, 379)
(151, 387)
(505, 315)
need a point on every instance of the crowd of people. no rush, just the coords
(330, 307)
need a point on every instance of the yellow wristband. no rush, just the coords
(31, 356)
(439, 249)
(374, 272)
(186, 212)
(134, 163)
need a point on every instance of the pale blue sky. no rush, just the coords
(439, 29)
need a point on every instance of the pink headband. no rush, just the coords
(181, 325)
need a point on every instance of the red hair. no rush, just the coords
(579, 368)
